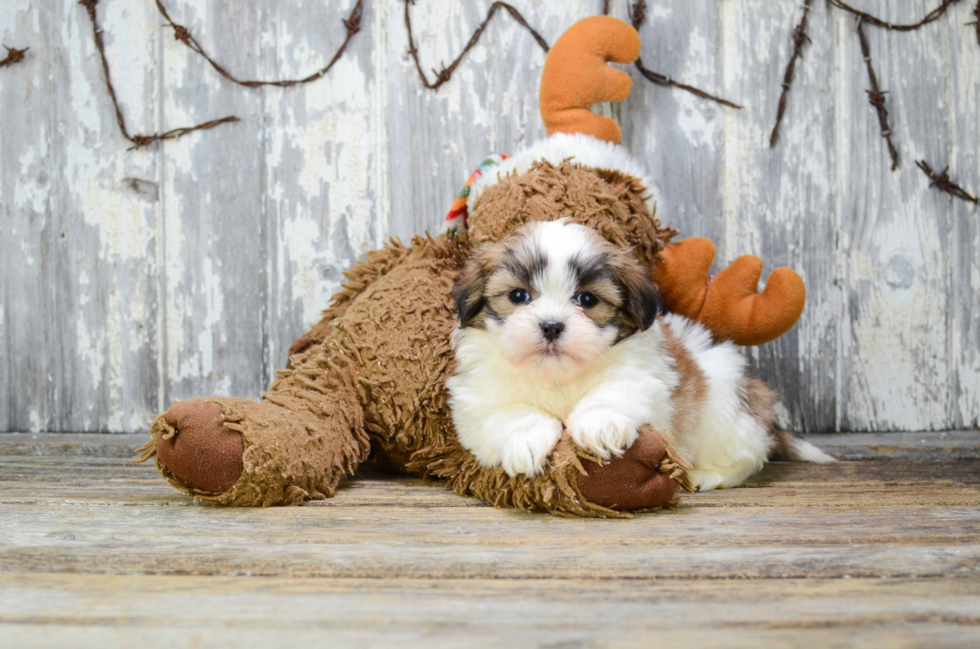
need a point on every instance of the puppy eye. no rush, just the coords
(519, 296)
(586, 300)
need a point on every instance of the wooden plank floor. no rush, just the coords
(882, 549)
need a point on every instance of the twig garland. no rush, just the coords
(442, 76)
(942, 182)
(137, 140)
(799, 39)
(13, 56)
(876, 96)
(637, 14)
(932, 16)
(182, 34)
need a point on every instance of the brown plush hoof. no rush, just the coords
(200, 450)
(633, 481)
(299, 346)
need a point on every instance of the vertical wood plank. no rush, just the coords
(84, 269)
(323, 161)
(216, 238)
(778, 202)
(26, 180)
(894, 339)
(677, 135)
(963, 110)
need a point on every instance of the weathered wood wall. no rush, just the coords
(132, 278)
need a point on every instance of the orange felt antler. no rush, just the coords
(576, 76)
(728, 304)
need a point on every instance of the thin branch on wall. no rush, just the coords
(137, 140)
(182, 34)
(876, 96)
(637, 13)
(942, 182)
(446, 73)
(800, 38)
(13, 56)
(932, 16)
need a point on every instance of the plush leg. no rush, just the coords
(281, 451)
(298, 442)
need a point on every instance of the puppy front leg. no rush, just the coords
(520, 439)
(606, 420)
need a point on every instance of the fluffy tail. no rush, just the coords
(790, 447)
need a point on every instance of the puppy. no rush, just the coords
(560, 329)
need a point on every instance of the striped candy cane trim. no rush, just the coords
(456, 219)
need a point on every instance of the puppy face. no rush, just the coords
(555, 296)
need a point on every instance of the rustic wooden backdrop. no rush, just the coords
(132, 278)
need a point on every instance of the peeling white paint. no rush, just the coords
(337, 165)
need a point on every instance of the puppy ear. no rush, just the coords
(641, 299)
(470, 301)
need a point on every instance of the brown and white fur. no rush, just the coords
(560, 329)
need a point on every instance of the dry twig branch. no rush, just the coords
(932, 16)
(942, 182)
(877, 96)
(442, 76)
(137, 140)
(637, 14)
(799, 39)
(13, 56)
(182, 34)
(605, 7)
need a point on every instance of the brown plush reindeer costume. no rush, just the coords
(368, 381)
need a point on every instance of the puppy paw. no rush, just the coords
(528, 446)
(604, 431)
(705, 480)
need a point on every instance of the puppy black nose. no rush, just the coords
(552, 329)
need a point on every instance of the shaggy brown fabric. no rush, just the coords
(609, 201)
(298, 346)
(376, 377)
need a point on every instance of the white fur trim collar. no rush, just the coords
(584, 149)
